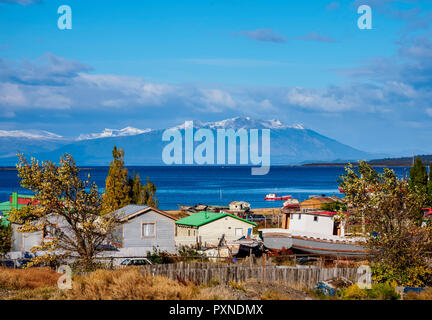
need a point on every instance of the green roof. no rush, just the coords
(6, 207)
(204, 217)
(25, 196)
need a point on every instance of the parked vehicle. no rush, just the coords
(136, 262)
(14, 263)
(7, 263)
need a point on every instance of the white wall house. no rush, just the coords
(321, 222)
(208, 227)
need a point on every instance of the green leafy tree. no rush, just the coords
(390, 208)
(139, 194)
(149, 193)
(418, 176)
(135, 189)
(5, 238)
(429, 188)
(335, 206)
(117, 189)
(66, 210)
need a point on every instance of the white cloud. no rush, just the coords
(11, 94)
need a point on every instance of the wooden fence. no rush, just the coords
(201, 273)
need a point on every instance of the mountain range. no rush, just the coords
(290, 144)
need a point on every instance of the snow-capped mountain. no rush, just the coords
(242, 123)
(290, 144)
(28, 142)
(109, 133)
(29, 134)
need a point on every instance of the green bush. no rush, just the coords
(160, 257)
(353, 293)
(380, 291)
(410, 277)
(383, 291)
(5, 238)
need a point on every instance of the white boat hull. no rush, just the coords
(278, 239)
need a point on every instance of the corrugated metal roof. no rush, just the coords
(129, 209)
(204, 217)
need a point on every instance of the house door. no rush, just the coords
(336, 229)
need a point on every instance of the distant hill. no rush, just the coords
(386, 162)
(290, 145)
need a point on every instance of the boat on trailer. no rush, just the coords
(314, 232)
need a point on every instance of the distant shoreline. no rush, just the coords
(313, 164)
(355, 164)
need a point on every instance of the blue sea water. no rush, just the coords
(216, 185)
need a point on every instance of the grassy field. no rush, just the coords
(130, 284)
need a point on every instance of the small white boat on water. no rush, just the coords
(314, 232)
(274, 196)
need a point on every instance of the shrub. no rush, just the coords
(383, 291)
(353, 293)
(409, 277)
(160, 257)
(213, 282)
(189, 254)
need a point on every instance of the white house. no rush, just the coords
(207, 228)
(239, 206)
(319, 222)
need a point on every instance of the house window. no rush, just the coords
(148, 230)
(238, 232)
(299, 216)
(316, 218)
(291, 216)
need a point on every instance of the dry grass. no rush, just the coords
(128, 284)
(274, 295)
(219, 292)
(41, 293)
(425, 295)
(237, 286)
(30, 278)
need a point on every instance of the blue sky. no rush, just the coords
(154, 64)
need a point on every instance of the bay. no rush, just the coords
(189, 185)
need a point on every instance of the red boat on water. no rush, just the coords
(274, 196)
